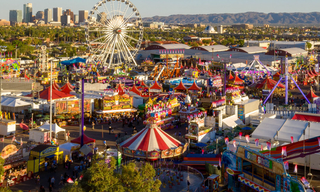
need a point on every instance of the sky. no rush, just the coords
(148, 8)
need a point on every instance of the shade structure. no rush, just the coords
(24, 126)
(73, 61)
(194, 87)
(142, 84)
(85, 149)
(311, 95)
(135, 90)
(86, 140)
(155, 87)
(180, 87)
(67, 88)
(237, 80)
(55, 127)
(268, 84)
(55, 86)
(55, 94)
(152, 143)
(230, 78)
(120, 90)
(67, 148)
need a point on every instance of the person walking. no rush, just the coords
(110, 129)
(52, 181)
(46, 165)
(93, 125)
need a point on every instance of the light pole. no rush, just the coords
(1, 88)
(51, 102)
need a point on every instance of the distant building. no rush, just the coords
(68, 12)
(57, 12)
(153, 25)
(4, 22)
(47, 15)
(55, 24)
(102, 17)
(242, 26)
(40, 15)
(190, 38)
(15, 16)
(27, 12)
(209, 29)
(65, 20)
(83, 15)
(220, 29)
(76, 19)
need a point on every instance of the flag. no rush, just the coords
(21, 143)
(261, 147)
(220, 162)
(284, 151)
(240, 135)
(218, 56)
(295, 168)
(269, 146)
(13, 138)
(2, 140)
(248, 138)
(234, 144)
(226, 140)
(291, 139)
(286, 165)
(256, 141)
(230, 56)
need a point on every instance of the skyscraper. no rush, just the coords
(65, 19)
(15, 16)
(27, 12)
(76, 19)
(47, 15)
(83, 16)
(57, 12)
(102, 17)
(68, 12)
(40, 15)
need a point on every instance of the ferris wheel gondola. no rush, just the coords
(114, 33)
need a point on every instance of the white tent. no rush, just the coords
(313, 131)
(68, 147)
(14, 104)
(231, 122)
(55, 127)
(268, 128)
(292, 128)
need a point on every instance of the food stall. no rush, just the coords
(7, 127)
(198, 131)
(14, 166)
(42, 153)
(249, 170)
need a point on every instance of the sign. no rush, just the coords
(241, 112)
(49, 151)
(73, 106)
(11, 154)
(61, 107)
(258, 159)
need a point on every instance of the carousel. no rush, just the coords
(152, 143)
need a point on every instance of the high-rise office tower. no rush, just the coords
(57, 12)
(68, 12)
(40, 15)
(65, 19)
(83, 15)
(47, 15)
(15, 16)
(76, 19)
(27, 12)
(102, 17)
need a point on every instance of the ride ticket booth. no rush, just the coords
(248, 170)
(42, 153)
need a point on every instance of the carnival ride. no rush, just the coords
(112, 38)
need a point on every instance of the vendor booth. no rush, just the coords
(41, 154)
(7, 127)
(14, 166)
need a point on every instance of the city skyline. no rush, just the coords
(176, 7)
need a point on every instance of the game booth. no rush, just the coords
(41, 154)
(14, 166)
(247, 170)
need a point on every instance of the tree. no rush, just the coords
(309, 45)
(104, 177)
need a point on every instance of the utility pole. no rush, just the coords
(1, 88)
(50, 102)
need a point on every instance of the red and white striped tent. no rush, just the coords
(152, 139)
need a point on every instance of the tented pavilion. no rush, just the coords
(14, 104)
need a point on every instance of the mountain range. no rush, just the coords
(248, 17)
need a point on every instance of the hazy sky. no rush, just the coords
(149, 8)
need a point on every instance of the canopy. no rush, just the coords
(68, 147)
(230, 78)
(67, 88)
(231, 122)
(268, 128)
(73, 61)
(14, 102)
(142, 84)
(155, 87)
(307, 117)
(180, 86)
(268, 84)
(55, 127)
(292, 128)
(194, 87)
(85, 149)
(24, 126)
(120, 90)
(86, 140)
(56, 86)
(135, 90)
(151, 138)
(237, 80)
(311, 95)
(55, 94)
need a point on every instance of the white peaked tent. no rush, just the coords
(68, 147)
(55, 128)
(14, 104)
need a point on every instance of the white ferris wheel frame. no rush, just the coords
(114, 42)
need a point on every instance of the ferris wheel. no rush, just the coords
(114, 33)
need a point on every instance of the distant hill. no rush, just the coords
(249, 17)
